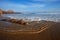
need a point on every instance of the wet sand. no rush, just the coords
(43, 30)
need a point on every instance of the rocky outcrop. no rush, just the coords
(6, 12)
(21, 21)
(1, 11)
(12, 20)
(10, 11)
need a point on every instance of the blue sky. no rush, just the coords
(30, 5)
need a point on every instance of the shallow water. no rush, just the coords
(35, 16)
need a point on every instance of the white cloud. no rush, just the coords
(38, 5)
(14, 5)
(23, 7)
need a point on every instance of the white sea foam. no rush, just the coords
(35, 17)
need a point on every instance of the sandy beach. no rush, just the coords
(36, 30)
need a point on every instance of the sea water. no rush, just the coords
(35, 16)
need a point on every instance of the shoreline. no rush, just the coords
(41, 30)
(27, 19)
(31, 28)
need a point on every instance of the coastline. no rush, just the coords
(36, 30)
(46, 34)
(34, 17)
(32, 26)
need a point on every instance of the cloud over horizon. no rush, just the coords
(24, 7)
(30, 5)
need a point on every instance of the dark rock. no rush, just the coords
(12, 20)
(3, 19)
(22, 22)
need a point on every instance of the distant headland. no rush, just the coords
(8, 12)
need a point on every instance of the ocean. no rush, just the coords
(35, 16)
